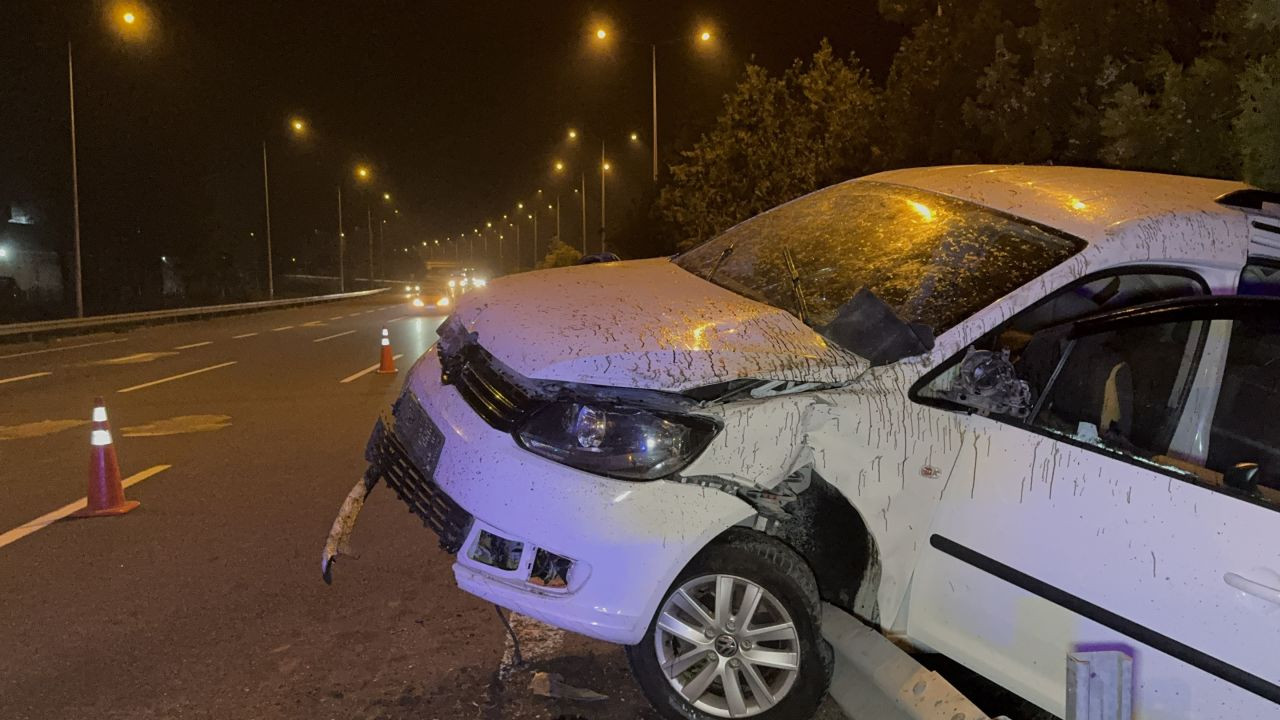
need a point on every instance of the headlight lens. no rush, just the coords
(618, 441)
(417, 302)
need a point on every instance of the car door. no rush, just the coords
(1079, 522)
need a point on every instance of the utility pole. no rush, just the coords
(266, 199)
(75, 183)
(342, 247)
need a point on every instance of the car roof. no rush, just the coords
(1090, 203)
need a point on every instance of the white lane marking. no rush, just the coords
(353, 314)
(176, 377)
(237, 337)
(280, 329)
(313, 323)
(367, 370)
(366, 312)
(394, 319)
(334, 336)
(194, 345)
(60, 349)
(336, 317)
(27, 377)
(48, 519)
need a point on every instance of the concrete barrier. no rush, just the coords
(18, 332)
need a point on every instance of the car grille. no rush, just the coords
(487, 389)
(394, 463)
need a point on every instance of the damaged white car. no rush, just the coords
(1000, 413)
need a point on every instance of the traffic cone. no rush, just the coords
(106, 495)
(387, 365)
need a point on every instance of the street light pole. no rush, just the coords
(75, 183)
(584, 212)
(653, 55)
(266, 199)
(603, 167)
(342, 247)
(368, 211)
(558, 235)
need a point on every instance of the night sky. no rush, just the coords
(458, 107)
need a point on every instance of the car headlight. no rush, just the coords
(614, 440)
(417, 302)
(443, 302)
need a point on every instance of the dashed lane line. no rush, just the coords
(336, 317)
(48, 519)
(237, 337)
(367, 370)
(354, 314)
(313, 323)
(330, 337)
(20, 378)
(175, 377)
(60, 349)
(282, 329)
(194, 345)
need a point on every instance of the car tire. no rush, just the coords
(738, 666)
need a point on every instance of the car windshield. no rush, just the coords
(933, 259)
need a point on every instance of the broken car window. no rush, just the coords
(934, 259)
(1123, 389)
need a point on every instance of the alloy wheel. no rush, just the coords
(727, 646)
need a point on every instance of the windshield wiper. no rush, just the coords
(796, 288)
(724, 255)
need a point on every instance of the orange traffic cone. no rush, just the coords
(106, 496)
(387, 365)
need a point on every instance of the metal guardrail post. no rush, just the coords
(1099, 686)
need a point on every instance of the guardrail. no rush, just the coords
(20, 331)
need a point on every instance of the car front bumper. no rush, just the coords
(626, 540)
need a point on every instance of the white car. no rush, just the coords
(1000, 413)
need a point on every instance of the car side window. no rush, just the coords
(1260, 277)
(1122, 390)
(1244, 440)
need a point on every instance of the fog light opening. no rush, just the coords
(497, 552)
(550, 570)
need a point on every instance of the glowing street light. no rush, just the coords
(386, 196)
(703, 36)
(573, 134)
(299, 125)
(129, 18)
(635, 137)
(559, 166)
(363, 172)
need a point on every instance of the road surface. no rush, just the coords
(206, 602)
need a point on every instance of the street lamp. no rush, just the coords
(130, 23)
(298, 127)
(704, 36)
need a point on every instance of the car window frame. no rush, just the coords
(914, 395)
(1145, 269)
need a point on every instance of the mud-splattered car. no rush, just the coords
(1000, 413)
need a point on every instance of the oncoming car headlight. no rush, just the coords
(615, 440)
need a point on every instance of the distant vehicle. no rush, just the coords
(1001, 413)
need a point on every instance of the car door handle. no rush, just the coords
(1258, 590)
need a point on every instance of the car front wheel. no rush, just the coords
(736, 636)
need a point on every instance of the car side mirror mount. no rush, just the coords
(868, 327)
(1243, 477)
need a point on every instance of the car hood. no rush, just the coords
(644, 324)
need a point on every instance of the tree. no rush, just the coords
(777, 138)
(559, 255)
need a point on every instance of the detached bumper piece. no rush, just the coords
(390, 460)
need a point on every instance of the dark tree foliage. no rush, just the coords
(1181, 86)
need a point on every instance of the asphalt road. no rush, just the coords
(206, 602)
